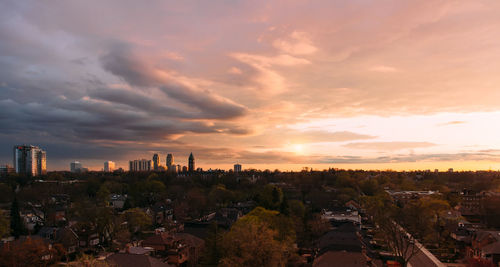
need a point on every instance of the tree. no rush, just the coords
(390, 220)
(284, 208)
(4, 225)
(136, 219)
(16, 223)
(213, 246)
(253, 243)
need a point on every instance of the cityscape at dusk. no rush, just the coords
(341, 133)
(349, 84)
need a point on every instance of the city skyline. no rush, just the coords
(355, 85)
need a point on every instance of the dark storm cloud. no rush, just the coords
(122, 62)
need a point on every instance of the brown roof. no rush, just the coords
(341, 259)
(190, 239)
(135, 260)
(493, 248)
(159, 240)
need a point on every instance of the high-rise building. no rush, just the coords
(170, 162)
(75, 166)
(179, 168)
(6, 169)
(140, 165)
(30, 160)
(237, 167)
(191, 163)
(156, 162)
(109, 166)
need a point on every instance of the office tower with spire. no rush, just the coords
(191, 163)
(170, 162)
(156, 162)
(30, 160)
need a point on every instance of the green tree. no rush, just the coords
(4, 225)
(136, 219)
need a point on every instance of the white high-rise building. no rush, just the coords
(30, 160)
(109, 166)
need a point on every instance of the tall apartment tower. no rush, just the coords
(140, 165)
(191, 163)
(156, 162)
(109, 166)
(30, 160)
(237, 168)
(170, 162)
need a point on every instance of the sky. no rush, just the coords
(359, 84)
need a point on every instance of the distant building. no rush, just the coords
(170, 162)
(140, 165)
(75, 166)
(184, 169)
(179, 168)
(156, 162)
(30, 160)
(237, 167)
(450, 170)
(109, 166)
(191, 163)
(6, 169)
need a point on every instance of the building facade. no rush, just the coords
(6, 169)
(109, 166)
(30, 160)
(156, 162)
(170, 162)
(140, 165)
(237, 167)
(191, 166)
(75, 166)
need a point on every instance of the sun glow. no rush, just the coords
(298, 148)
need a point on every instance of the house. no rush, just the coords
(343, 246)
(117, 201)
(485, 245)
(160, 242)
(67, 238)
(87, 238)
(353, 205)
(162, 212)
(178, 248)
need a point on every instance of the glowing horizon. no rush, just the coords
(379, 85)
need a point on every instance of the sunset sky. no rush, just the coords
(269, 84)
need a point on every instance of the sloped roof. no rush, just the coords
(493, 248)
(191, 240)
(134, 260)
(160, 239)
(340, 259)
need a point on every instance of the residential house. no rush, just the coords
(485, 245)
